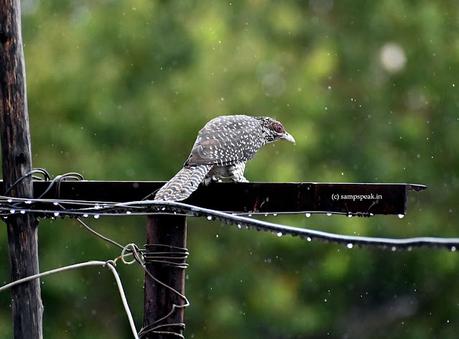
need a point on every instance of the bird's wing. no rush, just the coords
(226, 140)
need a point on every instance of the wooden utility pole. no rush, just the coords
(165, 234)
(27, 309)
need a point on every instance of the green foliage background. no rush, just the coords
(118, 90)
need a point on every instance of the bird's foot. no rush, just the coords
(239, 179)
(210, 179)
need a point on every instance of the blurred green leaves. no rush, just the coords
(369, 89)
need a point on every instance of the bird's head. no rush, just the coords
(273, 130)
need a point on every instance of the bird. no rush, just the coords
(220, 152)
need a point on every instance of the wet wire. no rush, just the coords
(42, 171)
(52, 208)
(110, 264)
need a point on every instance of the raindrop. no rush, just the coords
(97, 207)
(308, 215)
(349, 215)
(453, 248)
(12, 211)
(409, 248)
(209, 217)
(401, 216)
(239, 226)
(22, 211)
(325, 300)
(56, 214)
(393, 249)
(279, 234)
(28, 202)
(266, 214)
(128, 212)
(350, 245)
(96, 216)
(85, 215)
(249, 215)
(216, 235)
(308, 239)
(55, 203)
(274, 214)
(329, 214)
(10, 200)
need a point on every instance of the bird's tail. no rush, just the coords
(185, 182)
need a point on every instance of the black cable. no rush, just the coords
(49, 208)
(42, 171)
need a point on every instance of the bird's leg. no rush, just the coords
(209, 179)
(237, 172)
(239, 179)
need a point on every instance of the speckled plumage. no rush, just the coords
(220, 152)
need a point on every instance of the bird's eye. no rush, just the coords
(278, 128)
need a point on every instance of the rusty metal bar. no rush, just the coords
(254, 197)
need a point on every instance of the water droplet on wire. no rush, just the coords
(96, 216)
(350, 245)
(279, 234)
(401, 216)
(307, 215)
(209, 217)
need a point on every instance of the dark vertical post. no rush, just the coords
(27, 308)
(164, 233)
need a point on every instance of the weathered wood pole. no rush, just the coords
(27, 309)
(168, 232)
